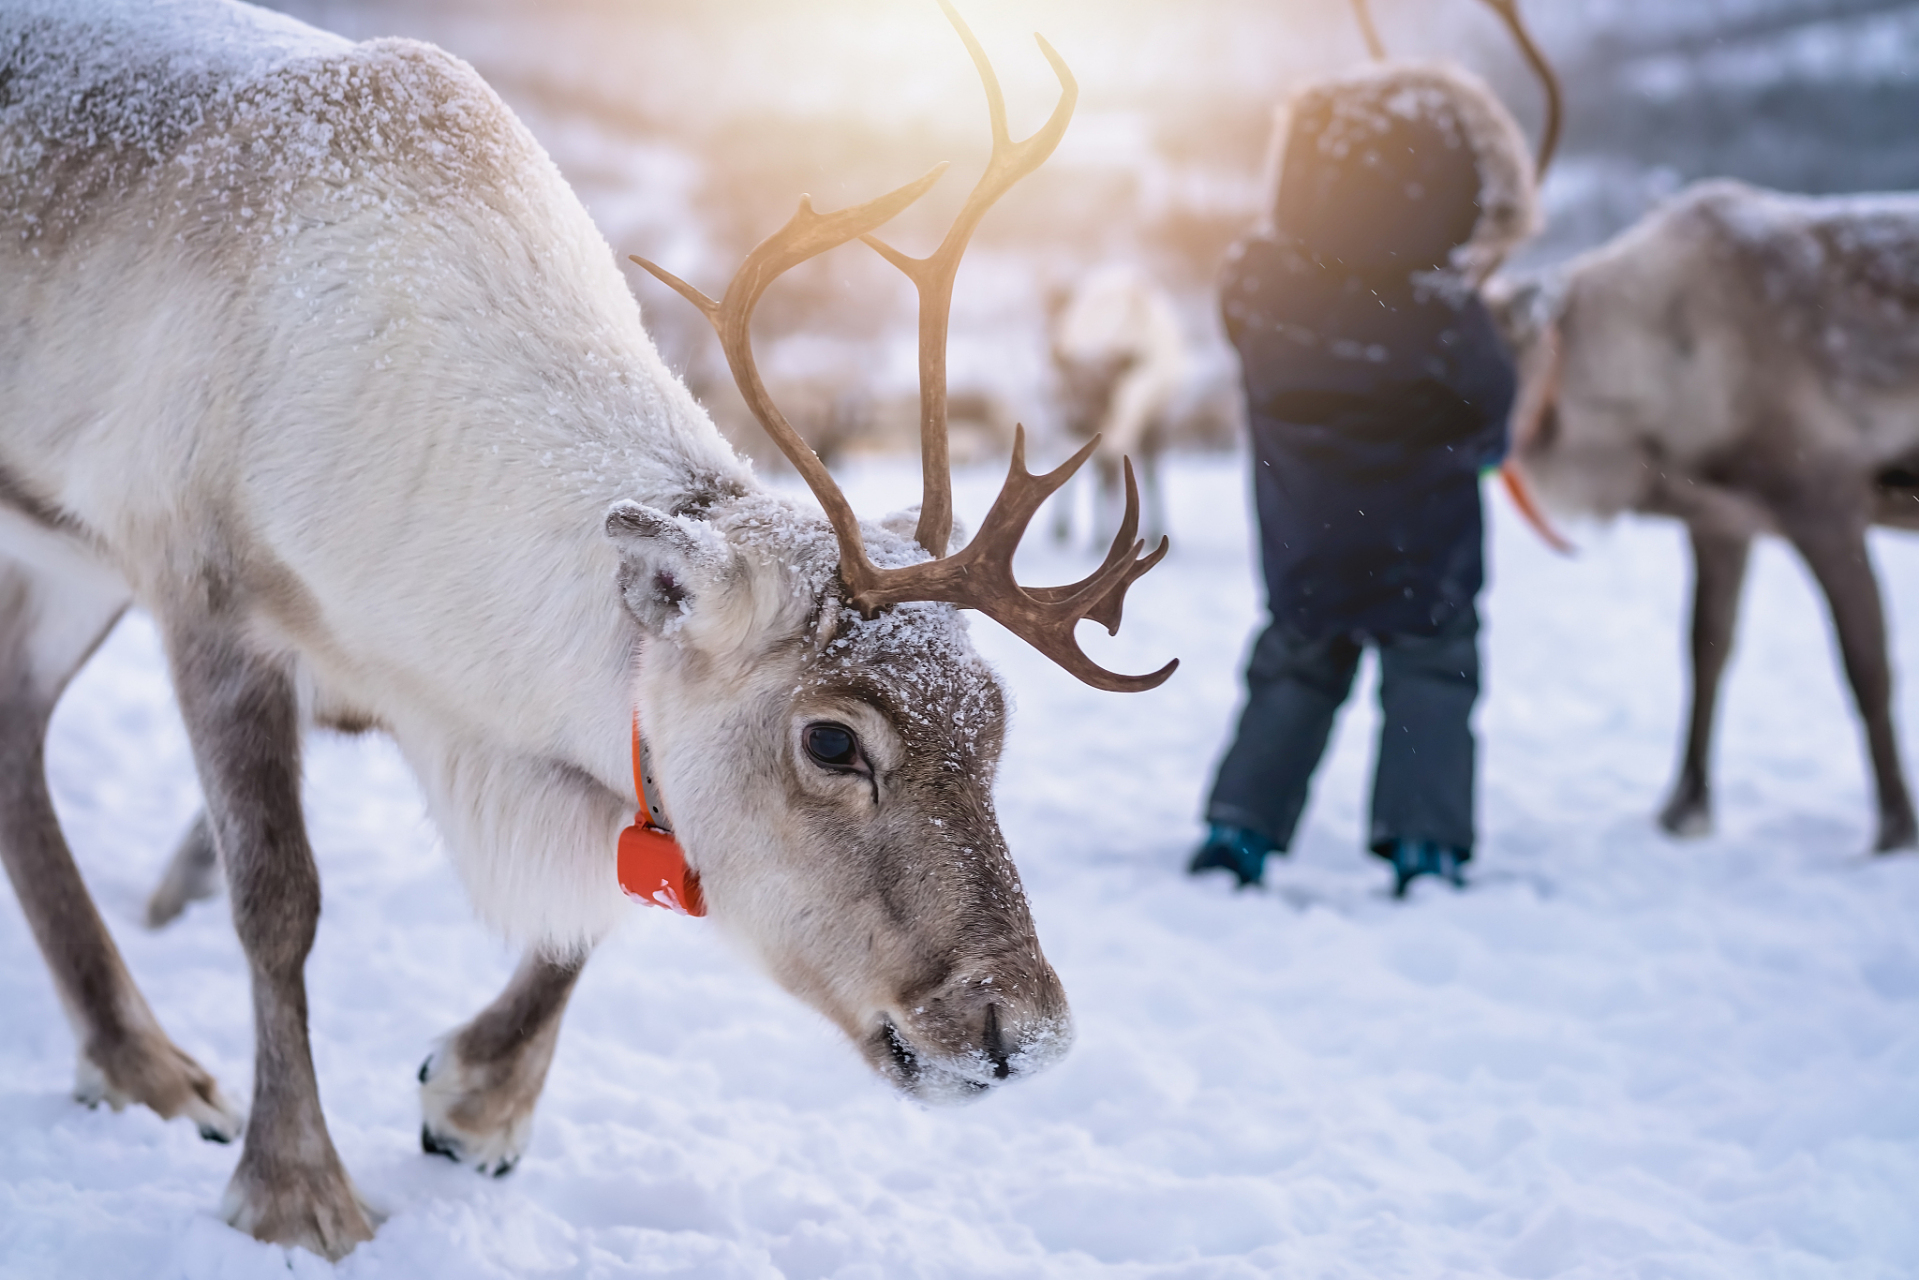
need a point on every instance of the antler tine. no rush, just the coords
(1106, 611)
(1047, 617)
(807, 234)
(1508, 11)
(1368, 32)
(1020, 497)
(980, 576)
(933, 275)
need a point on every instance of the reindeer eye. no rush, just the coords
(832, 745)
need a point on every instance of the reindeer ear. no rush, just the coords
(666, 563)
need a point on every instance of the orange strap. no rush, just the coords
(652, 866)
(1523, 499)
(639, 775)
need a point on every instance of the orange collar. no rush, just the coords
(652, 867)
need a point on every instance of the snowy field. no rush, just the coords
(1614, 1056)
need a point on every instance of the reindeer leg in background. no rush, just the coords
(1152, 496)
(242, 716)
(1107, 502)
(1063, 502)
(479, 1088)
(1833, 542)
(1719, 572)
(192, 876)
(48, 627)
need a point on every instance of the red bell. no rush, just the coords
(653, 870)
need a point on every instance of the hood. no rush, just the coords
(1401, 167)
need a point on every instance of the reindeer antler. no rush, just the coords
(1363, 14)
(933, 275)
(1508, 11)
(980, 576)
(806, 235)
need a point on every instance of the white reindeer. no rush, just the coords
(307, 349)
(1749, 363)
(1119, 361)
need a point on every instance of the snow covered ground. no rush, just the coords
(1614, 1056)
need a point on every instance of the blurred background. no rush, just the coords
(691, 128)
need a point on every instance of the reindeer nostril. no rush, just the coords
(995, 1046)
(902, 1054)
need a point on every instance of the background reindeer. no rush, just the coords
(309, 352)
(1747, 362)
(1119, 361)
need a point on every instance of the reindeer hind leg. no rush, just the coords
(1834, 548)
(50, 624)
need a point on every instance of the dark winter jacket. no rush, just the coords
(1374, 406)
(1377, 388)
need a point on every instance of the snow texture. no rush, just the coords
(1614, 1056)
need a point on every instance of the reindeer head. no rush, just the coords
(825, 735)
(1086, 387)
(1585, 354)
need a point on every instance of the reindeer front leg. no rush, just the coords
(1834, 546)
(479, 1088)
(1719, 574)
(243, 719)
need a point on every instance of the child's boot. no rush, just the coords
(1234, 849)
(1414, 858)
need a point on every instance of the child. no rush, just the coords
(1377, 392)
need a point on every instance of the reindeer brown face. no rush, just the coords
(830, 777)
(825, 735)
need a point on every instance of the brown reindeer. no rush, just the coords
(306, 349)
(1747, 362)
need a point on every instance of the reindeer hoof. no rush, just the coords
(311, 1203)
(1897, 833)
(147, 1069)
(434, 1144)
(1687, 817)
(471, 1119)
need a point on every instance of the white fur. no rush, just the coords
(319, 337)
(392, 392)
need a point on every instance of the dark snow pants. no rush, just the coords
(1423, 782)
